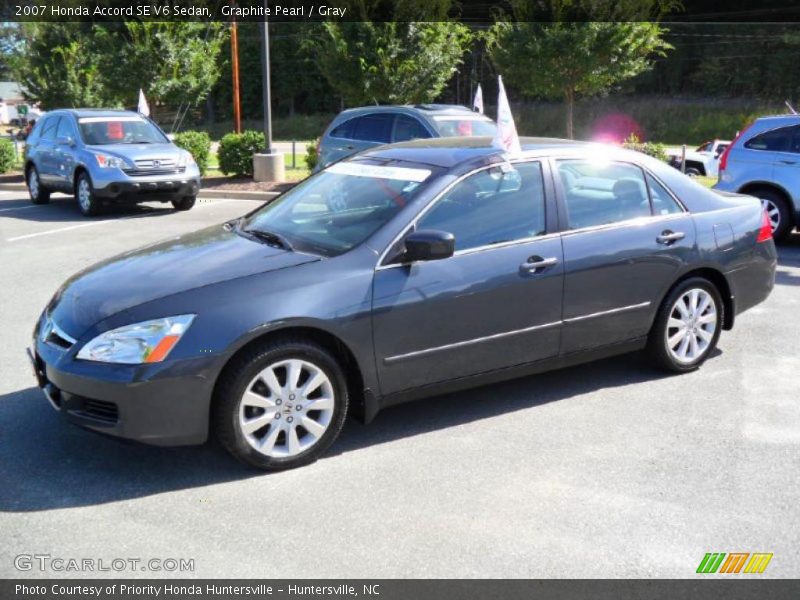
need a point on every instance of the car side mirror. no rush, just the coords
(428, 244)
(65, 140)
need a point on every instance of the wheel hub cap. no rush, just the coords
(286, 408)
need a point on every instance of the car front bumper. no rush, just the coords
(165, 404)
(143, 190)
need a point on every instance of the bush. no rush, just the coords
(236, 152)
(198, 144)
(649, 148)
(312, 157)
(8, 155)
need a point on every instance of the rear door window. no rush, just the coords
(373, 128)
(65, 129)
(776, 140)
(49, 129)
(343, 130)
(600, 193)
(408, 128)
(663, 202)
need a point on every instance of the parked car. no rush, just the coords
(359, 129)
(703, 161)
(764, 161)
(405, 271)
(107, 157)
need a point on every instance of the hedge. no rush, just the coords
(8, 155)
(198, 144)
(236, 152)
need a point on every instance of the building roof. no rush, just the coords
(10, 90)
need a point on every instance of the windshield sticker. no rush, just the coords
(378, 172)
(109, 119)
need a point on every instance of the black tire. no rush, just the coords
(237, 378)
(785, 220)
(692, 172)
(657, 344)
(42, 195)
(185, 203)
(89, 205)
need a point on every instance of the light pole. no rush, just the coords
(268, 165)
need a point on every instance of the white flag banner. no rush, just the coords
(506, 136)
(143, 109)
(477, 103)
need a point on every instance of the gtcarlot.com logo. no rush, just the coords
(734, 562)
(47, 562)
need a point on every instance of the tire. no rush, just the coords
(38, 193)
(664, 344)
(185, 203)
(693, 172)
(84, 193)
(245, 404)
(778, 211)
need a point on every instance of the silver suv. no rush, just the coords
(107, 156)
(764, 161)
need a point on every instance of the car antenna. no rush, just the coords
(790, 107)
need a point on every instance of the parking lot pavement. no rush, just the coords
(605, 470)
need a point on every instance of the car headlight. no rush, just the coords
(109, 162)
(186, 160)
(145, 342)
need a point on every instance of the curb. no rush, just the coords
(204, 193)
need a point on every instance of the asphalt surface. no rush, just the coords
(605, 470)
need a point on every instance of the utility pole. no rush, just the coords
(265, 81)
(237, 109)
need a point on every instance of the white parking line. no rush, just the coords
(20, 208)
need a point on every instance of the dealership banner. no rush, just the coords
(398, 10)
(397, 589)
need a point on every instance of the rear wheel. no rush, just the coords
(777, 209)
(84, 193)
(38, 193)
(687, 326)
(692, 172)
(185, 203)
(281, 405)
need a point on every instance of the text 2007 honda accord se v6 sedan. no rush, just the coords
(402, 272)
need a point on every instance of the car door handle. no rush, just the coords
(667, 237)
(787, 162)
(537, 263)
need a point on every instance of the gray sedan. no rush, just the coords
(106, 157)
(403, 272)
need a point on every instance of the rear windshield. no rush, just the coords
(101, 131)
(464, 126)
(340, 207)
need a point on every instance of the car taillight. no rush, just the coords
(723, 159)
(765, 233)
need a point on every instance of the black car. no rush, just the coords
(403, 272)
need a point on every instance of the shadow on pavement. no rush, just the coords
(47, 463)
(64, 209)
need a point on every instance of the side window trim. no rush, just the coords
(412, 225)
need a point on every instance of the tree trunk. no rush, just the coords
(569, 99)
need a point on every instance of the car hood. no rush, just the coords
(176, 265)
(140, 151)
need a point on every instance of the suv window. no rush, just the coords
(600, 193)
(344, 130)
(408, 128)
(663, 202)
(36, 132)
(49, 128)
(373, 128)
(491, 207)
(65, 128)
(776, 140)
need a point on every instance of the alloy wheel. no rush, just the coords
(773, 213)
(286, 408)
(691, 326)
(33, 184)
(84, 194)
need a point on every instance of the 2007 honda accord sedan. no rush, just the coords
(402, 272)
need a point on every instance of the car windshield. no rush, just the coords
(464, 126)
(340, 207)
(101, 131)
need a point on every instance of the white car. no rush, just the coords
(702, 161)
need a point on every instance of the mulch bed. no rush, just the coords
(245, 184)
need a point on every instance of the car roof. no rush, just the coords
(95, 112)
(450, 151)
(421, 109)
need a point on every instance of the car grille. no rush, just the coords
(99, 410)
(155, 166)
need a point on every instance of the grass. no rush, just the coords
(292, 174)
(706, 181)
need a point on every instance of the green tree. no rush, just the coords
(571, 59)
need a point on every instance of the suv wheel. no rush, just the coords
(281, 405)
(778, 212)
(38, 193)
(687, 326)
(185, 203)
(84, 193)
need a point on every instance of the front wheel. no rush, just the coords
(281, 405)
(185, 203)
(687, 326)
(84, 192)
